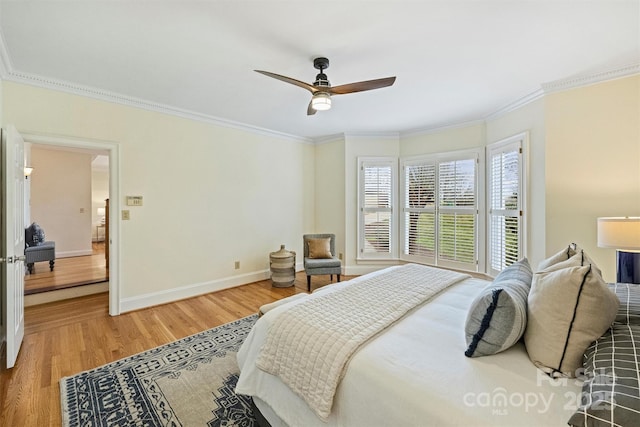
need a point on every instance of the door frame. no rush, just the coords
(113, 148)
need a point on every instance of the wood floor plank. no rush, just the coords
(68, 272)
(67, 337)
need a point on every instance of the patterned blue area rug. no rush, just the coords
(189, 382)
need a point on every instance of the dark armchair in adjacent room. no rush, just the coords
(320, 256)
(37, 249)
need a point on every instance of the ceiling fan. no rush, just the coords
(322, 90)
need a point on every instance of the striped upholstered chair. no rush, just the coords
(320, 256)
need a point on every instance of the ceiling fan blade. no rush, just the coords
(310, 110)
(361, 86)
(286, 79)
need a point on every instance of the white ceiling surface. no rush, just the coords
(455, 61)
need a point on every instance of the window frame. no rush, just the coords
(519, 143)
(391, 162)
(478, 209)
(403, 234)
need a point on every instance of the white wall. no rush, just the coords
(99, 193)
(457, 138)
(330, 191)
(61, 199)
(27, 187)
(592, 163)
(213, 195)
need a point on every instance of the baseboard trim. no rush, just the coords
(190, 291)
(70, 254)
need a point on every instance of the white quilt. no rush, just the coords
(415, 373)
(309, 345)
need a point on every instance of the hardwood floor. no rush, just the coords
(66, 337)
(68, 272)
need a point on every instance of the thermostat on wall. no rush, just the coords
(134, 200)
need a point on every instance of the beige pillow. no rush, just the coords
(563, 255)
(571, 255)
(320, 248)
(568, 309)
(586, 259)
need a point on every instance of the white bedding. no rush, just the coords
(308, 346)
(416, 374)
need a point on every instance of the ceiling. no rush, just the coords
(455, 61)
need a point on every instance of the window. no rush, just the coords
(444, 216)
(440, 210)
(505, 193)
(457, 213)
(376, 223)
(419, 213)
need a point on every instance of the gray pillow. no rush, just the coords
(34, 235)
(498, 316)
(610, 391)
(629, 296)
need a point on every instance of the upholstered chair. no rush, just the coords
(320, 256)
(37, 249)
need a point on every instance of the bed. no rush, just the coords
(415, 372)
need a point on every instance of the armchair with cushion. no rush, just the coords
(320, 256)
(37, 249)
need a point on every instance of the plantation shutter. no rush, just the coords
(376, 210)
(457, 213)
(505, 205)
(419, 211)
(440, 210)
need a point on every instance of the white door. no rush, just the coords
(13, 244)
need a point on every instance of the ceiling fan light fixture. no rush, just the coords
(321, 101)
(321, 90)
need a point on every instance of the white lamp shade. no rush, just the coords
(101, 211)
(619, 233)
(321, 101)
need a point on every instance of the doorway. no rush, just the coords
(66, 193)
(111, 151)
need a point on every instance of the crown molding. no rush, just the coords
(546, 88)
(379, 135)
(5, 61)
(587, 79)
(343, 136)
(512, 106)
(579, 80)
(6, 73)
(104, 95)
(329, 138)
(440, 128)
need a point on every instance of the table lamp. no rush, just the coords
(622, 234)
